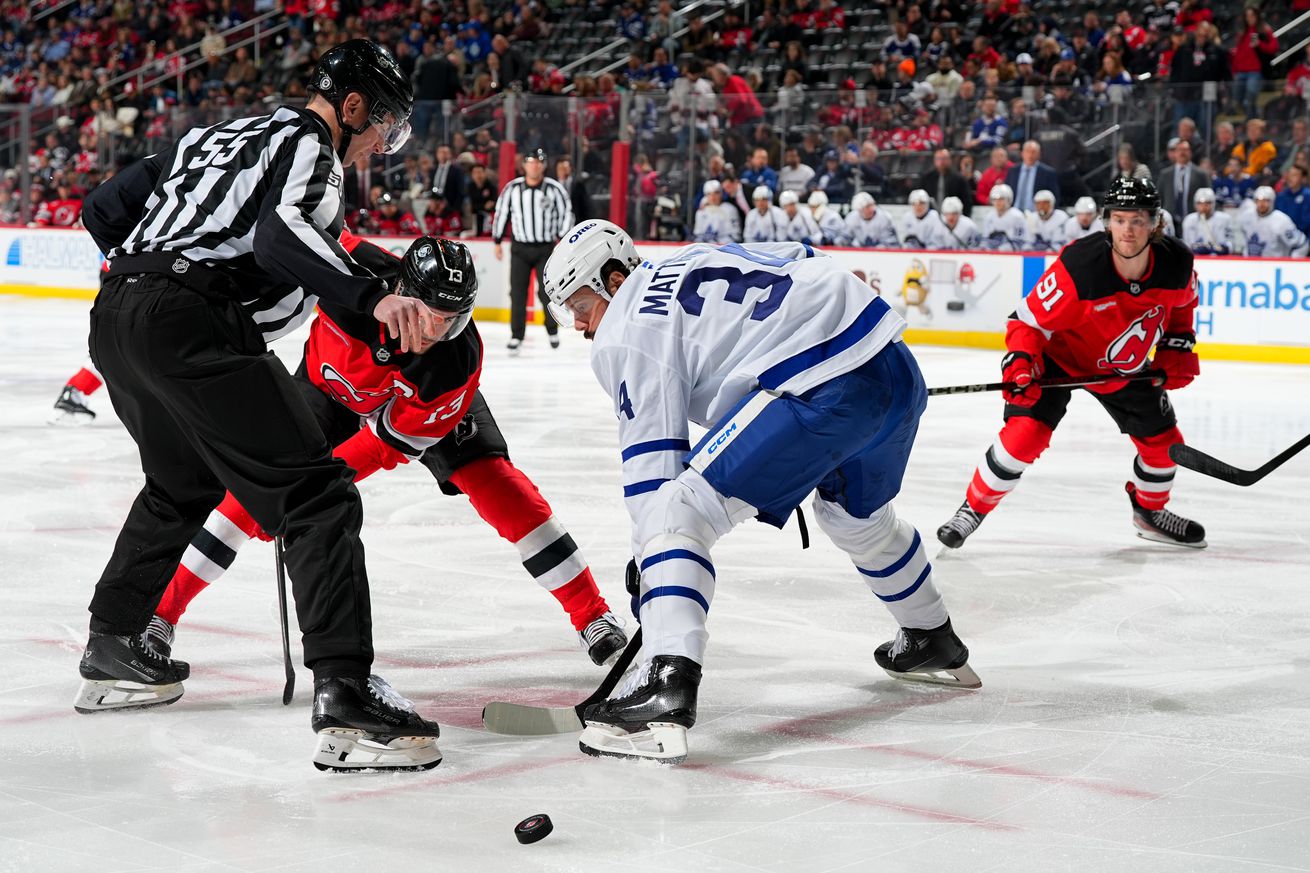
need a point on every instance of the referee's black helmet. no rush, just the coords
(364, 67)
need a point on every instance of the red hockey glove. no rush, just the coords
(1174, 355)
(1018, 367)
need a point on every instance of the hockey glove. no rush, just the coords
(1018, 368)
(1174, 355)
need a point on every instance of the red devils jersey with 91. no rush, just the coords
(410, 401)
(1089, 320)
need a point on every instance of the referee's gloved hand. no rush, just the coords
(406, 318)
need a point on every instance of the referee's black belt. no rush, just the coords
(207, 280)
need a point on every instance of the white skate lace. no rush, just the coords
(965, 520)
(634, 680)
(598, 629)
(901, 644)
(160, 629)
(388, 695)
(1169, 523)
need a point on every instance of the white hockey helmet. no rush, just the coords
(579, 261)
(762, 193)
(861, 200)
(1044, 196)
(1203, 195)
(1084, 206)
(952, 206)
(817, 198)
(712, 187)
(1002, 192)
(918, 195)
(788, 198)
(1264, 192)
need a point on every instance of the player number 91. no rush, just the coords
(1047, 292)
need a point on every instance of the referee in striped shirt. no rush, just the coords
(213, 246)
(538, 212)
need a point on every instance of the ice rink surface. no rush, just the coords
(1144, 707)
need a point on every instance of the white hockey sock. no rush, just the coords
(677, 586)
(890, 556)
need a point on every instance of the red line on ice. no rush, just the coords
(496, 772)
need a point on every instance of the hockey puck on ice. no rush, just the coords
(955, 305)
(533, 828)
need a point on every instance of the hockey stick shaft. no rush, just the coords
(1058, 382)
(289, 689)
(1193, 459)
(614, 675)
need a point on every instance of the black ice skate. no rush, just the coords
(1162, 526)
(603, 640)
(363, 724)
(935, 656)
(649, 717)
(957, 530)
(122, 672)
(71, 408)
(159, 636)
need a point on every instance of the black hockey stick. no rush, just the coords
(1155, 376)
(518, 720)
(289, 689)
(1192, 459)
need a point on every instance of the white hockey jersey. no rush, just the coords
(1270, 236)
(802, 228)
(1074, 230)
(1047, 235)
(1005, 233)
(918, 233)
(877, 232)
(768, 227)
(966, 235)
(717, 224)
(831, 227)
(1210, 236)
(687, 338)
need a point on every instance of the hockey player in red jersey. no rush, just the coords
(1106, 302)
(423, 405)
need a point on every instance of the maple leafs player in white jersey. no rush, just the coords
(801, 226)
(790, 362)
(1046, 224)
(919, 226)
(1005, 230)
(1084, 222)
(766, 222)
(1207, 231)
(831, 227)
(716, 221)
(956, 230)
(1269, 232)
(867, 227)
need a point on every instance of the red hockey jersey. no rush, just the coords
(409, 401)
(1089, 320)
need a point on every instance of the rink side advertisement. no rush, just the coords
(1251, 309)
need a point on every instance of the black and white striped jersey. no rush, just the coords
(259, 197)
(536, 215)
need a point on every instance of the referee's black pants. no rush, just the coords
(524, 258)
(211, 408)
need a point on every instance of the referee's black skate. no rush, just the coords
(649, 717)
(122, 672)
(957, 530)
(364, 724)
(936, 655)
(1163, 526)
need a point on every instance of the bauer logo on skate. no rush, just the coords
(1132, 349)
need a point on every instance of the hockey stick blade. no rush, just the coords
(1193, 459)
(1155, 376)
(515, 719)
(289, 689)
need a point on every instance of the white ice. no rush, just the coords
(1144, 707)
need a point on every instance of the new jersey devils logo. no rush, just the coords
(1130, 351)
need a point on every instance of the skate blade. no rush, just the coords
(99, 695)
(343, 750)
(63, 418)
(1161, 538)
(955, 677)
(661, 742)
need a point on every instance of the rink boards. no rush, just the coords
(1251, 309)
